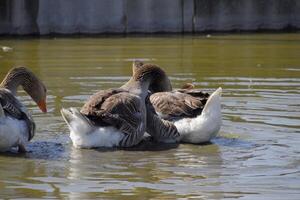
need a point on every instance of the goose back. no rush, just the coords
(120, 109)
(178, 104)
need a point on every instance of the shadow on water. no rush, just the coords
(54, 151)
(233, 142)
(147, 144)
(39, 150)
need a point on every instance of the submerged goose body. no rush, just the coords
(113, 117)
(16, 124)
(196, 116)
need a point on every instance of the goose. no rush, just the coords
(17, 127)
(196, 115)
(116, 117)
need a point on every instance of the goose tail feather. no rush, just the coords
(205, 126)
(76, 120)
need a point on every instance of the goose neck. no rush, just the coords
(15, 78)
(137, 87)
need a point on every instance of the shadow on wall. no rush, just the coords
(145, 16)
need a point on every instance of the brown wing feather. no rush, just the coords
(174, 105)
(158, 128)
(10, 104)
(116, 108)
(12, 107)
(194, 92)
(92, 108)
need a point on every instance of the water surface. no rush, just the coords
(255, 156)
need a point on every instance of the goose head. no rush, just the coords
(153, 74)
(32, 85)
(38, 93)
(188, 86)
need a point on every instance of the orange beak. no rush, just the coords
(42, 105)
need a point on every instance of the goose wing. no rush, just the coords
(176, 105)
(203, 96)
(13, 108)
(159, 128)
(117, 108)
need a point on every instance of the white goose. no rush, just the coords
(184, 110)
(16, 124)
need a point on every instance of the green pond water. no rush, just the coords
(255, 156)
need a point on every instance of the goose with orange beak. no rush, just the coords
(17, 127)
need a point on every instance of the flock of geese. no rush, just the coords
(118, 117)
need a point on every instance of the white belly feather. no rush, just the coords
(85, 135)
(99, 137)
(12, 133)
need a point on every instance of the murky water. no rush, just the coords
(255, 156)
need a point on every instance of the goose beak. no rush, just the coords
(42, 105)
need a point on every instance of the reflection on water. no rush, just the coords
(256, 155)
(178, 173)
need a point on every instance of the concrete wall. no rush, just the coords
(226, 15)
(145, 16)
